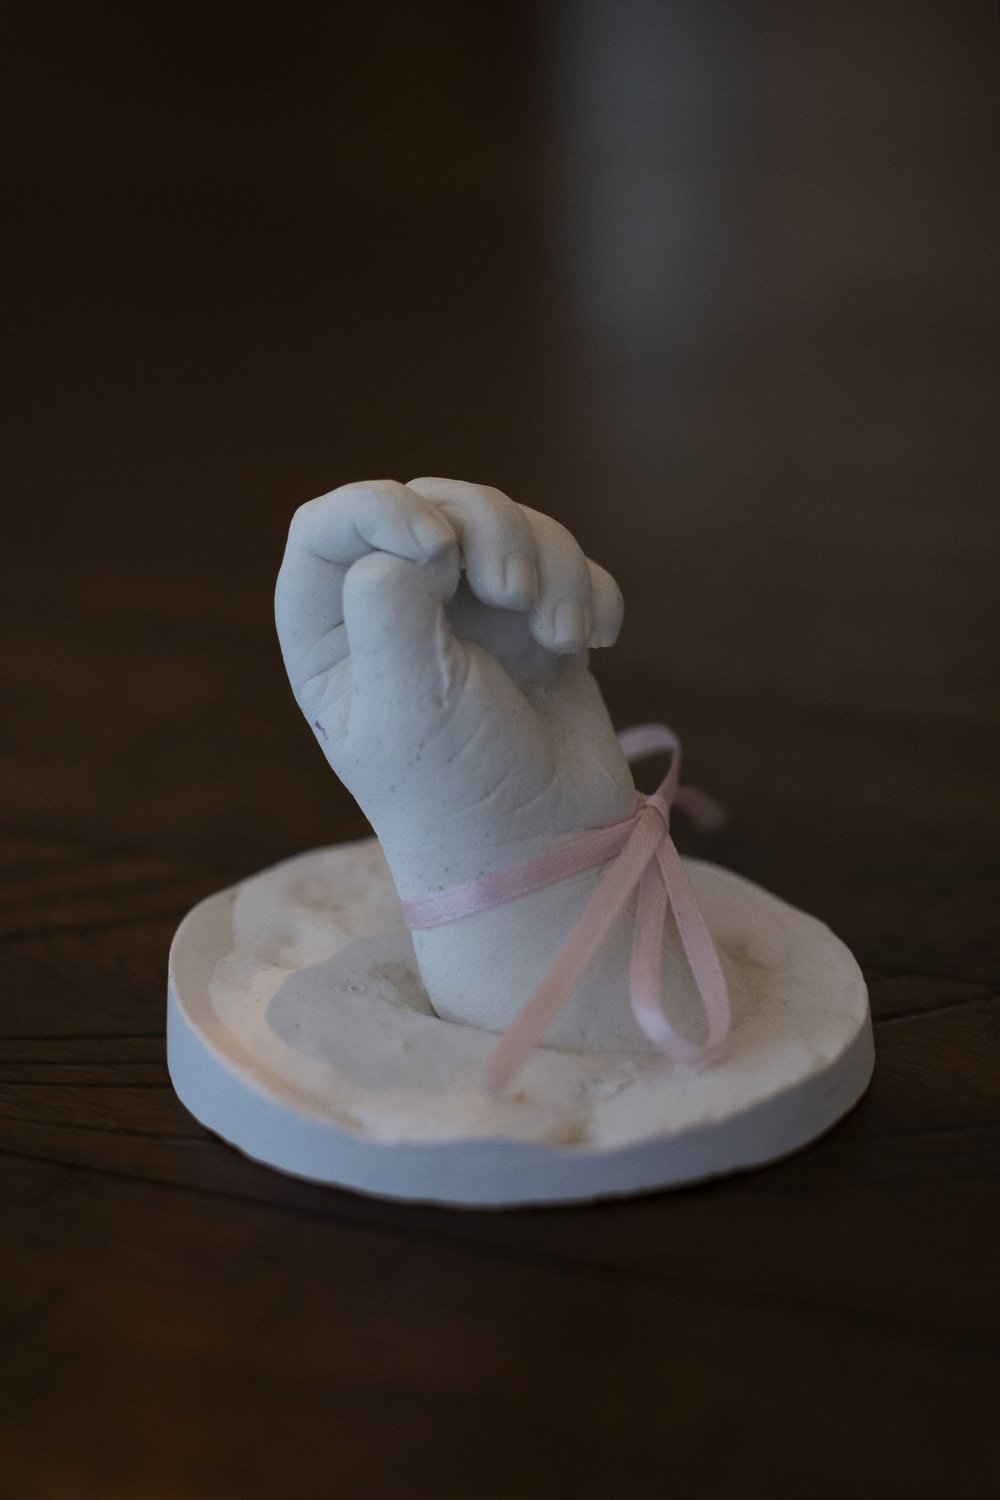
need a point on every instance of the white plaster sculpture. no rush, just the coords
(437, 637)
(459, 709)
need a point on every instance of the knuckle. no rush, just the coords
(506, 519)
(492, 496)
(484, 501)
(302, 518)
(364, 491)
(503, 506)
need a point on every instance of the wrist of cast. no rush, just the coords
(481, 968)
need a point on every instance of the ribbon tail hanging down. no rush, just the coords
(650, 862)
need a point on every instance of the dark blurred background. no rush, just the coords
(713, 283)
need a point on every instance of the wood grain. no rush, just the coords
(713, 285)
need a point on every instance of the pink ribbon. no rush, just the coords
(642, 855)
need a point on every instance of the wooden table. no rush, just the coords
(712, 284)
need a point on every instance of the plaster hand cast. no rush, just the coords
(436, 637)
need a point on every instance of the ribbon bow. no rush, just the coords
(643, 855)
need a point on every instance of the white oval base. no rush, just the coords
(299, 1031)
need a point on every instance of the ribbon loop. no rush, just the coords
(659, 806)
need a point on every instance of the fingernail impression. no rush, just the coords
(431, 534)
(569, 625)
(519, 577)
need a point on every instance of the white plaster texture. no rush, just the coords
(437, 638)
(299, 1030)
